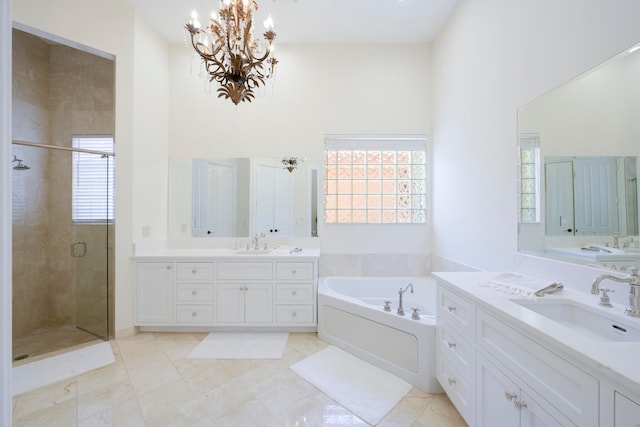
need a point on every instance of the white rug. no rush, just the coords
(364, 389)
(57, 368)
(241, 345)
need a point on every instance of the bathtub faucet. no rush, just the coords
(400, 309)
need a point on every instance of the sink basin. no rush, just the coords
(253, 251)
(591, 322)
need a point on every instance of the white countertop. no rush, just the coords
(619, 361)
(243, 254)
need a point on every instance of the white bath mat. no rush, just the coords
(364, 389)
(57, 368)
(241, 345)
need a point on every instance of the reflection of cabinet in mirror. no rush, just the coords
(273, 200)
(241, 197)
(591, 196)
(214, 198)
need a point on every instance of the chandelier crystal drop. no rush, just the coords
(230, 55)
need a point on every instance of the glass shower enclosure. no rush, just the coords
(63, 228)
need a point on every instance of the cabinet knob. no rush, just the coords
(451, 344)
(519, 404)
(294, 293)
(168, 267)
(194, 271)
(510, 396)
(451, 381)
(451, 308)
(293, 272)
(194, 292)
(194, 314)
(294, 314)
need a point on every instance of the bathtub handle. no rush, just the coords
(387, 306)
(451, 344)
(451, 381)
(451, 308)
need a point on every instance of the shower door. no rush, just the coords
(92, 242)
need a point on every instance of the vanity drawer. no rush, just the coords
(194, 313)
(190, 292)
(245, 270)
(572, 391)
(194, 271)
(456, 349)
(457, 386)
(295, 314)
(455, 310)
(294, 293)
(294, 271)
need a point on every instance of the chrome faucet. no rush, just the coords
(256, 241)
(633, 280)
(400, 309)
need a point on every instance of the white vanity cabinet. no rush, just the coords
(497, 374)
(527, 369)
(226, 292)
(154, 295)
(454, 352)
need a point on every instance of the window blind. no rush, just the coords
(93, 180)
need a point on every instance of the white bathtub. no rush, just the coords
(351, 316)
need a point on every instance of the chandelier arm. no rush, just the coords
(209, 60)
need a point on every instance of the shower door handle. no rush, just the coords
(78, 249)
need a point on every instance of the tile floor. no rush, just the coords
(152, 383)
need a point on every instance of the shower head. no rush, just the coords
(20, 166)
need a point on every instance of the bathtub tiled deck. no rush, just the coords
(152, 383)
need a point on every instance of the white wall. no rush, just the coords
(492, 57)
(319, 90)
(5, 206)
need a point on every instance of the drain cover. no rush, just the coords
(22, 356)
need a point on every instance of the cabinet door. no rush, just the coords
(495, 396)
(230, 303)
(535, 415)
(258, 303)
(627, 412)
(154, 293)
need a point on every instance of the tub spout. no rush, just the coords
(400, 292)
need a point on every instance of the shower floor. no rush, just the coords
(48, 341)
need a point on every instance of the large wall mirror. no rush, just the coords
(242, 197)
(588, 144)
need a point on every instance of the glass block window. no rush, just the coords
(375, 180)
(529, 179)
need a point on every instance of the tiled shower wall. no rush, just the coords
(58, 91)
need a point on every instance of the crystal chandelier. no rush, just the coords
(230, 55)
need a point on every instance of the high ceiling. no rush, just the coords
(316, 21)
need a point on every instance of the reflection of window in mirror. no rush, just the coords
(529, 178)
(375, 180)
